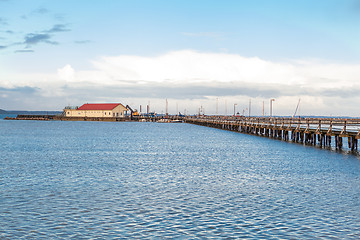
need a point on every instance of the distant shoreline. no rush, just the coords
(24, 112)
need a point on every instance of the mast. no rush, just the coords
(297, 107)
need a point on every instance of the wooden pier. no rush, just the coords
(331, 133)
(322, 132)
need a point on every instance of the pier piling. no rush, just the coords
(308, 131)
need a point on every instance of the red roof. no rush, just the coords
(99, 106)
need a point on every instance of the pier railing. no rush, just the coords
(315, 131)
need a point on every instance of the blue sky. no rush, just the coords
(41, 40)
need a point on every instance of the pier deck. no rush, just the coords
(310, 131)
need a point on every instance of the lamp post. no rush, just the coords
(249, 107)
(271, 100)
(263, 109)
(234, 108)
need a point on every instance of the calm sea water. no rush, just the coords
(99, 180)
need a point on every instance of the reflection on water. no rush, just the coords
(152, 180)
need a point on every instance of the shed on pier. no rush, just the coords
(96, 110)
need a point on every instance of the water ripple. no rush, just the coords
(86, 180)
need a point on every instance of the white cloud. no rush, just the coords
(188, 66)
(190, 77)
(67, 73)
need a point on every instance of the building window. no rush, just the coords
(117, 114)
(105, 113)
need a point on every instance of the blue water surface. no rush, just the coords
(110, 180)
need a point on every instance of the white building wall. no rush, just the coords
(118, 111)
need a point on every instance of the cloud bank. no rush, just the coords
(196, 78)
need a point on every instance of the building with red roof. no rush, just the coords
(96, 110)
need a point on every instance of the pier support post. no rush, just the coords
(336, 141)
(328, 140)
(353, 144)
(321, 140)
(340, 142)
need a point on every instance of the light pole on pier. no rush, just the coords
(166, 108)
(225, 107)
(234, 108)
(271, 100)
(217, 106)
(249, 107)
(263, 109)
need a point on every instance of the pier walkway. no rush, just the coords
(323, 132)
